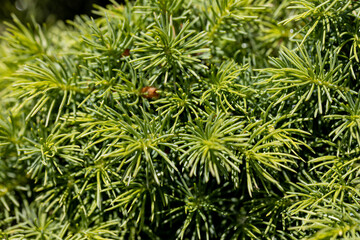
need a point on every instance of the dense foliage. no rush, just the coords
(179, 119)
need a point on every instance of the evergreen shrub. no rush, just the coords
(180, 119)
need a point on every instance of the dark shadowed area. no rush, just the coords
(47, 10)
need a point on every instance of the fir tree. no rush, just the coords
(179, 119)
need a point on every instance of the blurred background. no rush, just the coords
(47, 11)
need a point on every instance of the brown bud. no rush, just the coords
(149, 92)
(126, 52)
